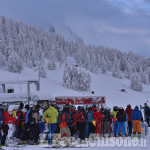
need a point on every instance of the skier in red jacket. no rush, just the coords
(6, 115)
(97, 117)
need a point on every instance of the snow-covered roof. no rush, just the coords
(38, 95)
(17, 81)
(13, 97)
(35, 96)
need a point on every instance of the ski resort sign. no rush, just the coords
(80, 100)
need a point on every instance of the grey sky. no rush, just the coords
(121, 24)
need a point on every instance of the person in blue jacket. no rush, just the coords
(136, 117)
(92, 128)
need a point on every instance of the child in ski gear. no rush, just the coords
(121, 117)
(136, 117)
(129, 112)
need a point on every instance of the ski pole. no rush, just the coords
(50, 134)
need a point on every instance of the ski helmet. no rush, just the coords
(136, 106)
(3, 107)
(107, 108)
(129, 106)
(115, 108)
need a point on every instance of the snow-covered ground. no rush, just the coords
(118, 145)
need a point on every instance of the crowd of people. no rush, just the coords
(80, 123)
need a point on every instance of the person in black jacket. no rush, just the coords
(107, 118)
(121, 117)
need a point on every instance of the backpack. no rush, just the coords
(65, 117)
(59, 119)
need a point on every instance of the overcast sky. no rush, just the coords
(121, 24)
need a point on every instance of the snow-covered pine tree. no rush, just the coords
(84, 81)
(42, 69)
(128, 70)
(145, 78)
(67, 76)
(116, 69)
(76, 79)
(14, 63)
(59, 54)
(51, 64)
(2, 60)
(136, 82)
(148, 72)
(103, 66)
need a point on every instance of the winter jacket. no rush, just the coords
(146, 111)
(129, 112)
(97, 116)
(17, 118)
(14, 112)
(1, 117)
(64, 120)
(121, 115)
(90, 116)
(107, 116)
(6, 115)
(136, 114)
(73, 114)
(52, 113)
(59, 118)
(36, 116)
(114, 114)
(28, 116)
(81, 116)
(24, 118)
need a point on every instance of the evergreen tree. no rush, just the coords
(116, 69)
(103, 66)
(76, 79)
(14, 63)
(136, 82)
(51, 64)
